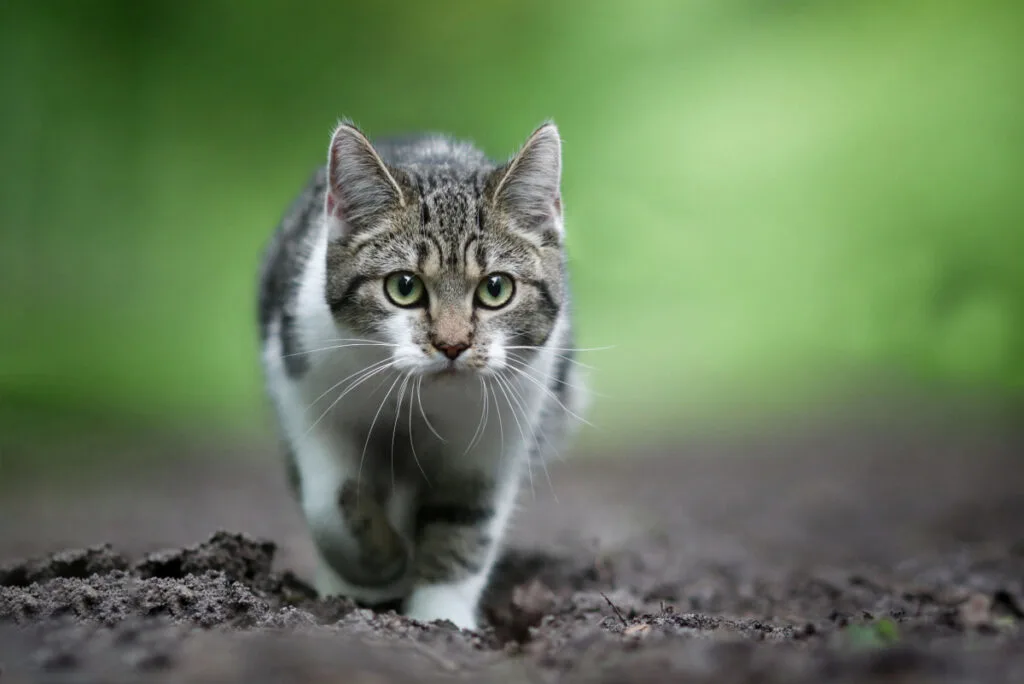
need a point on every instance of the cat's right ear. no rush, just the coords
(359, 185)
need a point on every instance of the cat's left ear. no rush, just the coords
(529, 188)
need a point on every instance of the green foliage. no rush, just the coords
(876, 634)
(765, 201)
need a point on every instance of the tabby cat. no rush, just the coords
(418, 351)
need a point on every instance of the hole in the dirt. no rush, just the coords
(511, 624)
(522, 592)
(1009, 603)
(16, 576)
(294, 591)
(166, 566)
(383, 606)
(73, 568)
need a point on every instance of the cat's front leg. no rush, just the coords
(361, 552)
(459, 526)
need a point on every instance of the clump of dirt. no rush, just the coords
(76, 564)
(582, 619)
(226, 580)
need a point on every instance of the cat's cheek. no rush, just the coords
(400, 330)
(397, 328)
(495, 356)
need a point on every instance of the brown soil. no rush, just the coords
(862, 554)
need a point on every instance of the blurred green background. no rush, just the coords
(770, 204)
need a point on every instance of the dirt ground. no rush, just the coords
(876, 550)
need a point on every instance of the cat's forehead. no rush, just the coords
(446, 229)
(451, 206)
(449, 237)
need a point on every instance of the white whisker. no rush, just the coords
(335, 385)
(412, 444)
(502, 382)
(479, 424)
(560, 349)
(556, 355)
(535, 432)
(367, 375)
(419, 400)
(338, 340)
(544, 376)
(394, 430)
(339, 346)
(369, 434)
(501, 428)
(552, 395)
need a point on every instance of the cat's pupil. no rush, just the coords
(494, 287)
(405, 286)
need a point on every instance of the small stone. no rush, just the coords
(638, 629)
(976, 611)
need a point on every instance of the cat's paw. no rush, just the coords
(329, 583)
(443, 602)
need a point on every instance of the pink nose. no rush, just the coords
(452, 351)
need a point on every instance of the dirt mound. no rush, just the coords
(218, 609)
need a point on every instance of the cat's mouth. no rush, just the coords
(450, 369)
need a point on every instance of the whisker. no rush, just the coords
(501, 428)
(552, 395)
(412, 444)
(335, 347)
(419, 400)
(479, 425)
(487, 406)
(369, 434)
(543, 376)
(521, 401)
(547, 376)
(502, 385)
(554, 350)
(535, 432)
(337, 340)
(335, 385)
(556, 355)
(394, 430)
(367, 375)
(502, 382)
(560, 349)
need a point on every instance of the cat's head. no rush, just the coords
(456, 262)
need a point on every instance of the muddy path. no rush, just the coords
(869, 552)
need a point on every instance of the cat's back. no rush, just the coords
(286, 253)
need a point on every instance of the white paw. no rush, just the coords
(329, 583)
(443, 602)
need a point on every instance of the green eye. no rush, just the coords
(495, 291)
(404, 289)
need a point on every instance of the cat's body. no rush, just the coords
(414, 316)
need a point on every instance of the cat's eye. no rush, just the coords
(405, 289)
(495, 291)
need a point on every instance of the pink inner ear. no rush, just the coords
(331, 203)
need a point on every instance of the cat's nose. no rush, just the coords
(452, 351)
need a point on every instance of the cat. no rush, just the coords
(417, 348)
